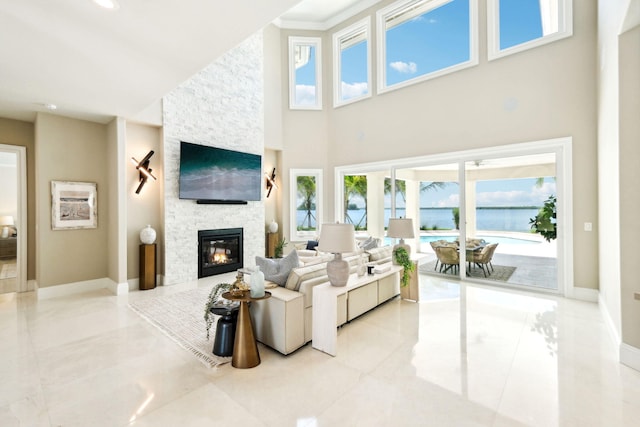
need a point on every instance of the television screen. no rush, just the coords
(216, 174)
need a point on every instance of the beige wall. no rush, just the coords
(14, 132)
(553, 87)
(70, 150)
(143, 208)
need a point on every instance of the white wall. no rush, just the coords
(221, 106)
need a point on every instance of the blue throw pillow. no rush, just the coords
(277, 270)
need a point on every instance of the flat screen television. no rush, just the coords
(211, 174)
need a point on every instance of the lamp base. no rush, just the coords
(338, 271)
(401, 244)
(5, 232)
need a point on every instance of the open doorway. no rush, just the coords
(12, 219)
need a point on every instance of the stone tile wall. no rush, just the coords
(221, 106)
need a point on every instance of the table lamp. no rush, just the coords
(5, 222)
(401, 228)
(337, 239)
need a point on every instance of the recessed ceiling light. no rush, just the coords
(107, 4)
(50, 106)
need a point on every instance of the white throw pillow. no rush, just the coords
(277, 270)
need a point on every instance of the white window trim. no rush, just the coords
(359, 27)
(294, 233)
(565, 29)
(381, 16)
(317, 43)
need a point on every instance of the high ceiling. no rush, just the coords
(94, 64)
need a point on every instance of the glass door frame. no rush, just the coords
(561, 147)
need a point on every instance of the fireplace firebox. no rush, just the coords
(219, 251)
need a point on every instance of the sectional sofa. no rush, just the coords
(284, 321)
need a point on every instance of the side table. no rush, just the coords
(245, 347)
(148, 262)
(225, 329)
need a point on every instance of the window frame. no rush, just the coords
(420, 7)
(565, 29)
(364, 26)
(316, 42)
(295, 234)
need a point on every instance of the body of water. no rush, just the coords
(498, 219)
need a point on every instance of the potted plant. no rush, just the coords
(212, 301)
(545, 222)
(279, 248)
(402, 258)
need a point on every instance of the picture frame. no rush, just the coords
(74, 205)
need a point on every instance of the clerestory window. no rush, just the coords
(352, 63)
(423, 39)
(517, 25)
(305, 73)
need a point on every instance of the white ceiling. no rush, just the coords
(95, 64)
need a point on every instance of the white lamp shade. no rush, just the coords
(401, 228)
(337, 238)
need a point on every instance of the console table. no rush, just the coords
(334, 306)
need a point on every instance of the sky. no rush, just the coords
(497, 193)
(430, 42)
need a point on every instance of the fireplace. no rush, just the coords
(219, 251)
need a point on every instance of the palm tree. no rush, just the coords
(355, 185)
(307, 191)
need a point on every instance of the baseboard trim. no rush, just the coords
(73, 288)
(118, 288)
(609, 323)
(630, 356)
(584, 294)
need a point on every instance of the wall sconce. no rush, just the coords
(271, 181)
(145, 170)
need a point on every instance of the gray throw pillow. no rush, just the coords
(277, 270)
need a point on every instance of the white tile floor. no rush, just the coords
(466, 356)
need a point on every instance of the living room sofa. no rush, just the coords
(284, 321)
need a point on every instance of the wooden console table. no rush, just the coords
(334, 306)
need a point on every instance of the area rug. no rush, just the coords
(8, 271)
(500, 273)
(181, 317)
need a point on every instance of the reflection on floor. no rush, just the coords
(466, 355)
(7, 275)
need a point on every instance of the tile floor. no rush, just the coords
(467, 355)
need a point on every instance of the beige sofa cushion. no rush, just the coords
(380, 254)
(307, 272)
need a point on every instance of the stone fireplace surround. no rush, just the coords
(220, 106)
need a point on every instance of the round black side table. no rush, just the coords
(225, 329)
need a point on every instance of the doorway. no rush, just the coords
(542, 167)
(13, 223)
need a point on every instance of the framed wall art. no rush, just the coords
(74, 205)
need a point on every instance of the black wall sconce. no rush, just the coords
(145, 170)
(271, 181)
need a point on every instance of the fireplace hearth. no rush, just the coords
(219, 251)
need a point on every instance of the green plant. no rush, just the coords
(545, 222)
(214, 296)
(401, 256)
(279, 248)
(456, 217)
